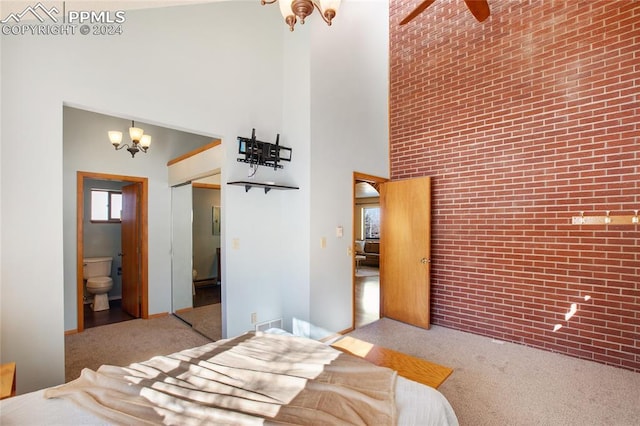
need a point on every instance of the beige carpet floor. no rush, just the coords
(126, 342)
(500, 383)
(493, 383)
(206, 320)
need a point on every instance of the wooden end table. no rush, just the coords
(7, 380)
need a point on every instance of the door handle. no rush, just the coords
(424, 260)
(120, 254)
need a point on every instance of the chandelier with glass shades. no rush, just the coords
(139, 141)
(293, 9)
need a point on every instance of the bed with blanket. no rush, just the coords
(255, 378)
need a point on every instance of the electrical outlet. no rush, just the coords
(254, 317)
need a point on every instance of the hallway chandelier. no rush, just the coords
(291, 9)
(139, 141)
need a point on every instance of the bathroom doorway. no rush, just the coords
(129, 254)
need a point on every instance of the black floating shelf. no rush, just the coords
(267, 186)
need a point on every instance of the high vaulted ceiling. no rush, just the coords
(7, 7)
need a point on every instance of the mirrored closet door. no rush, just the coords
(196, 267)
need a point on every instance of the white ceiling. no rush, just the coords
(11, 6)
(17, 6)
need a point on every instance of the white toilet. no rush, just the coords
(97, 271)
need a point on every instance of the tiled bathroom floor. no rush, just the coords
(113, 315)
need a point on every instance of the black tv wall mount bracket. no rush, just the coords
(262, 153)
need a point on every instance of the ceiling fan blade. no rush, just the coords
(479, 9)
(417, 11)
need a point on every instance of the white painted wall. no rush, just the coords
(336, 97)
(349, 132)
(215, 69)
(192, 68)
(296, 127)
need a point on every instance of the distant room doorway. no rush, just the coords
(366, 249)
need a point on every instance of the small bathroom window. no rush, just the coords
(106, 206)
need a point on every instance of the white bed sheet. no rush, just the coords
(417, 405)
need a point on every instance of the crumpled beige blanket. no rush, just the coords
(256, 378)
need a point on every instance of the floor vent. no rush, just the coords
(265, 325)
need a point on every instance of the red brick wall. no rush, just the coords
(523, 121)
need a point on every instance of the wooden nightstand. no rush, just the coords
(7, 380)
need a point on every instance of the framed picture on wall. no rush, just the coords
(215, 220)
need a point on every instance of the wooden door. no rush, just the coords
(405, 251)
(130, 231)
